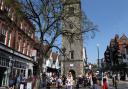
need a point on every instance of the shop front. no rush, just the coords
(13, 63)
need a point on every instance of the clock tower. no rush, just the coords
(72, 42)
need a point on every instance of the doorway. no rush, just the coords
(73, 74)
(2, 75)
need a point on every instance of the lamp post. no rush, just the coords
(64, 50)
(98, 54)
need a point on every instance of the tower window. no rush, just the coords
(72, 54)
(70, 26)
(71, 10)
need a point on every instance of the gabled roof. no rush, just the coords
(116, 36)
(54, 56)
(124, 37)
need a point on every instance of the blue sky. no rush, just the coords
(111, 16)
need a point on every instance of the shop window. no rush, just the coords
(29, 72)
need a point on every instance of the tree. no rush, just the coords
(116, 52)
(47, 15)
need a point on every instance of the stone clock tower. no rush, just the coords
(72, 43)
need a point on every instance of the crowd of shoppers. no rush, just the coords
(68, 82)
(90, 80)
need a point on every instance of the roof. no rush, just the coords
(54, 56)
(124, 37)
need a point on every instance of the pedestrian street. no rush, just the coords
(121, 85)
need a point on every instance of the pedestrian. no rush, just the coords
(44, 81)
(85, 81)
(113, 79)
(64, 79)
(69, 82)
(106, 76)
(95, 82)
(77, 83)
(105, 85)
(115, 82)
(48, 83)
(118, 76)
(59, 83)
(11, 83)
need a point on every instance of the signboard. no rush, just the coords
(71, 65)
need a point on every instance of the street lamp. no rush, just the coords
(98, 54)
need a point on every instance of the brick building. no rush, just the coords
(116, 56)
(16, 45)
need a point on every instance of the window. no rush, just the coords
(29, 33)
(126, 50)
(72, 54)
(12, 17)
(71, 26)
(24, 47)
(32, 36)
(28, 49)
(2, 35)
(9, 39)
(71, 11)
(29, 72)
(19, 49)
(124, 43)
(2, 5)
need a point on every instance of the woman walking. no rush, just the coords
(69, 82)
(105, 85)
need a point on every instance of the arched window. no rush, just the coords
(24, 47)
(19, 48)
(72, 54)
(9, 39)
(28, 49)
